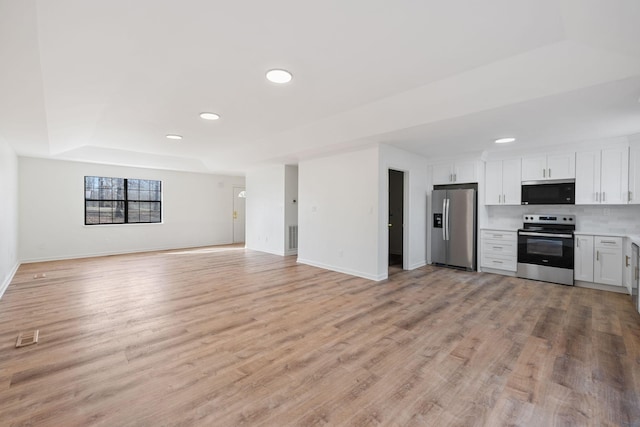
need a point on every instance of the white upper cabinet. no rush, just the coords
(634, 173)
(587, 177)
(552, 166)
(502, 182)
(602, 176)
(455, 172)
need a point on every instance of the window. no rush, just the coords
(121, 201)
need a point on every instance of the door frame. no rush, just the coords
(405, 217)
(233, 210)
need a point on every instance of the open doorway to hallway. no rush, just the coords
(396, 218)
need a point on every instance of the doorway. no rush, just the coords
(396, 217)
(239, 198)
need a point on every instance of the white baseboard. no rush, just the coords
(348, 271)
(110, 253)
(8, 279)
(601, 287)
(417, 265)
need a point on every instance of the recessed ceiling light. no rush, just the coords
(172, 136)
(279, 76)
(209, 116)
(504, 140)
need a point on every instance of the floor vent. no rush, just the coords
(293, 237)
(27, 338)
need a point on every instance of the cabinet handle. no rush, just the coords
(504, 199)
(597, 197)
(549, 172)
(597, 255)
(629, 197)
(637, 273)
(496, 262)
(608, 242)
(577, 242)
(500, 247)
(544, 173)
(626, 260)
(455, 177)
(604, 196)
(450, 177)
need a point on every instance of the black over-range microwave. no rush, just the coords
(558, 192)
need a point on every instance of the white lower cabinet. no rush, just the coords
(499, 250)
(583, 255)
(598, 259)
(608, 265)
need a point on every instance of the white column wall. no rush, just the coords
(265, 209)
(338, 213)
(8, 214)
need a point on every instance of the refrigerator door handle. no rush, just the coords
(446, 220)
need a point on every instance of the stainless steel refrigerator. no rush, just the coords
(453, 228)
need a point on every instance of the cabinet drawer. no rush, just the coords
(499, 248)
(499, 235)
(608, 242)
(499, 262)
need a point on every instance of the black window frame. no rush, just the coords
(126, 200)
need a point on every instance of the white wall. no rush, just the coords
(415, 206)
(290, 203)
(265, 209)
(197, 211)
(338, 213)
(8, 215)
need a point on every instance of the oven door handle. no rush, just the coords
(561, 236)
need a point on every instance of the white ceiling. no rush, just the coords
(105, 81)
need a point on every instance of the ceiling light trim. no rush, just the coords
(279, 76)
(209, 116)
(504, 140)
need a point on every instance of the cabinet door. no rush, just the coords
(614, 176)
(493, 183)
(634, 173)
(583, 254)
(588, 177)
(464, 172)
(511, 187)
(443, 174)
(561, 166)
(534, 168)
(608, 266)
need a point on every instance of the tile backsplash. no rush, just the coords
(622, 219)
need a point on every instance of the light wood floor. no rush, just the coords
(224, 336)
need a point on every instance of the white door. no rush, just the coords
(239, 196)
(511, 188)
(534, 168)
(561, 166)
(608, 267)
(443, 174)
(493, 183)
(588, 177)
(615, 176)
(583, 268)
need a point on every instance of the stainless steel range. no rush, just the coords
(545, 248)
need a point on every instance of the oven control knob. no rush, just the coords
(564, 219)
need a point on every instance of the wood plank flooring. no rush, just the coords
(225, 336)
